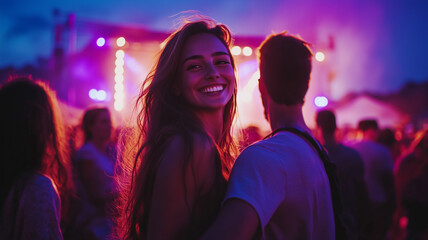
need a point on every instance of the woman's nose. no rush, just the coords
(211, 72)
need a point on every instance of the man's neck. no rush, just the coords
(286, 116)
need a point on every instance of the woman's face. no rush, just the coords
(101, 129)
(206, 73)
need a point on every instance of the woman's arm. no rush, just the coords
(177, 184)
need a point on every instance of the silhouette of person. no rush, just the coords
(34, 167)
(350, 172)
(379, 178)
(93, 175)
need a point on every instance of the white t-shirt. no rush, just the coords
(284, 180)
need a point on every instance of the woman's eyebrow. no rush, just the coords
(200, 56)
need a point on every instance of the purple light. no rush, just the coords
(101, 41)
(321, 101)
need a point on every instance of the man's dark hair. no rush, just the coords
(367, 124)
(326, 120)
(285, 67)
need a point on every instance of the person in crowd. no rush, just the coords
(379, 177)
(93, 170)
(249, 135)
(178, 177)
(350, 172)
(387, 138)
(411, 180)
(279, 187)
(33, 161)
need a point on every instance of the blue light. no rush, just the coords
(101, 95)
(101, 41)
(93, 93)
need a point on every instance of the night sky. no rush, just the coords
(379, 45)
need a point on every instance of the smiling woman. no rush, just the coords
(178, 177)
(208, 77)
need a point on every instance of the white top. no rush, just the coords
(284, 180)
(32, 210)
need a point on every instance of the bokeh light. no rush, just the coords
(93, 93)
(120, 54)
(102, 95)
(247, 51)
(119, 62)
(118, 87)
(121, 42)
(97, 95)
(236, 50)
(320, 56)
(321, 101)
(118, 78)
(101, 41)
(119, 105)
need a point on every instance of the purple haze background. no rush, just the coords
(379, 45)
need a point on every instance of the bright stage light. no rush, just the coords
(101, 41)
(118, 78)
(118, 105)
(119, 96)
(93, 93)
(120, 54)
(119, 62)
(321, 101)
(118, 87)
(320, 56)
(121, 42)
(97, 95)
(102, 95)
(236, 50)
(247, 51)
(118, 70)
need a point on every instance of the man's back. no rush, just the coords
(378, 163)
(354, 195)
(379, 178)
(294, 201)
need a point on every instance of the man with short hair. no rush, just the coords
(278, 188)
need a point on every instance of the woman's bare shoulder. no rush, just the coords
(196, 154)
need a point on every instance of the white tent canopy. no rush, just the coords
(364, 107)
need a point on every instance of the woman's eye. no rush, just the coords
(222, 62)
(193, 67)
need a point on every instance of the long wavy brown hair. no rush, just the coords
(32, 137)
(164, 115)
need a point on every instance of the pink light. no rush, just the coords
(101, 41)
